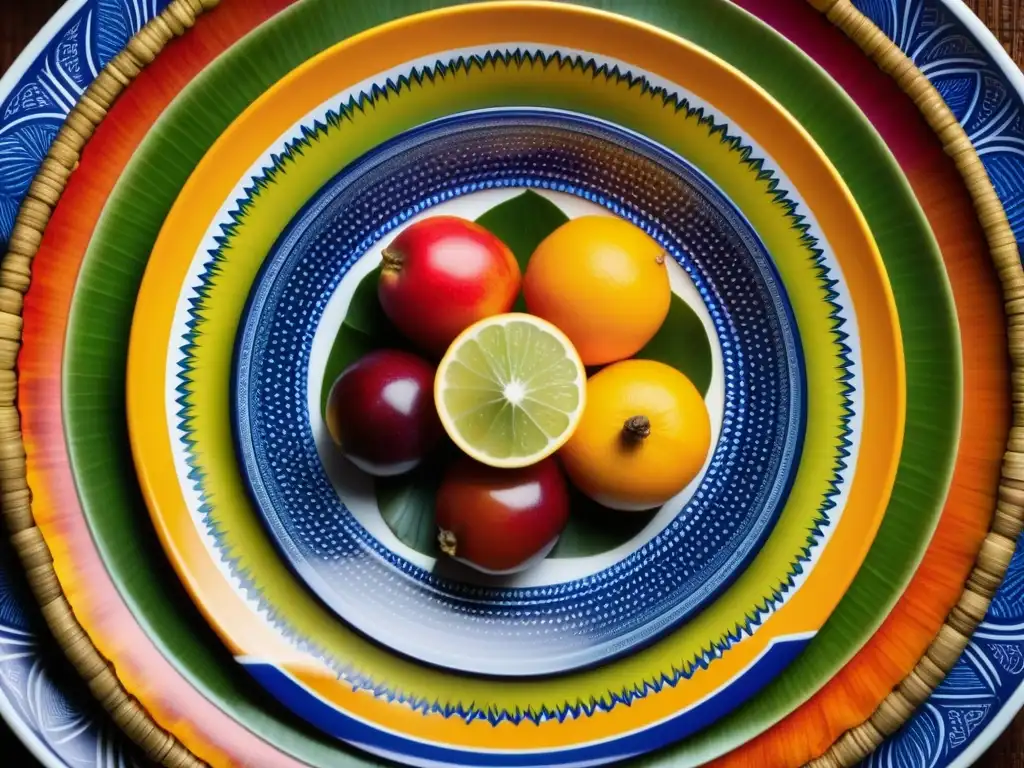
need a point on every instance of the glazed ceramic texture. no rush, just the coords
(578, 618)
(203, 185)
(1007, 187)
(102, 284)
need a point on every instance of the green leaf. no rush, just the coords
(365, 329)
(407, 505)
(683, 343)
(593, 529)
(349, 345)
(406, 502)
(522, 223)
(364, 311)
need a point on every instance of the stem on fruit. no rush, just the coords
(392, 259)
(447, 542)
(636, 429)
(660, 258)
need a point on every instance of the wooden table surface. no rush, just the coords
(21, 19)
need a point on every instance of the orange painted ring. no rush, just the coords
(655, 52)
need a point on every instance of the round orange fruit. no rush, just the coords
(643, 437)
(603, 282)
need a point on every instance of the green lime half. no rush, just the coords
(510, 390)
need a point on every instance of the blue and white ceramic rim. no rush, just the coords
(55, 717)
(196, 269)
(21, 642)
(1009, 708)
(414, 609)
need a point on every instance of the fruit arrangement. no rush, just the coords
(484, 333)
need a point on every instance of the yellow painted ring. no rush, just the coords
(483, 26)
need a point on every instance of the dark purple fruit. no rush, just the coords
(381, 412)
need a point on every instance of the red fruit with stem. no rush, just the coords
(499, 520)
(441, 275)
(381, 412)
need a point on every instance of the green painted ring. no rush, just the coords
(109, 489)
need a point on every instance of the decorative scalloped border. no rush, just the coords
(45, 191)
(335, 119)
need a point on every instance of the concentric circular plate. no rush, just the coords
(564, 612)
(858, 175)
(882, 374)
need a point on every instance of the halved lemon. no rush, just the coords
(510, 390)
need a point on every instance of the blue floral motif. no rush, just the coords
(970, 81)
(39, 694)
(987, 675)
(21, 152)
(918, 746)
(992, 113)
(42, 692)
(36, 106)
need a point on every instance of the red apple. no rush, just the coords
(381, 412)
(441, 275)
(498, 520)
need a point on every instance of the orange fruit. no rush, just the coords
(603, 282)
(643, 437)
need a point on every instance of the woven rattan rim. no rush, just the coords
(998, 546)
(15, 275)
(162, 747)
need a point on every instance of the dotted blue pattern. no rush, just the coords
(662, 582)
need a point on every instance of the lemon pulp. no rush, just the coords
(511, 390)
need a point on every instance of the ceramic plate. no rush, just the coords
(985, 90)
(109, 502)
(52, 713)
(854, 692)
(223, 11)
(564, 612)
(141, 663)
(350, 656)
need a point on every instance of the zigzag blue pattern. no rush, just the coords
(359, 105)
